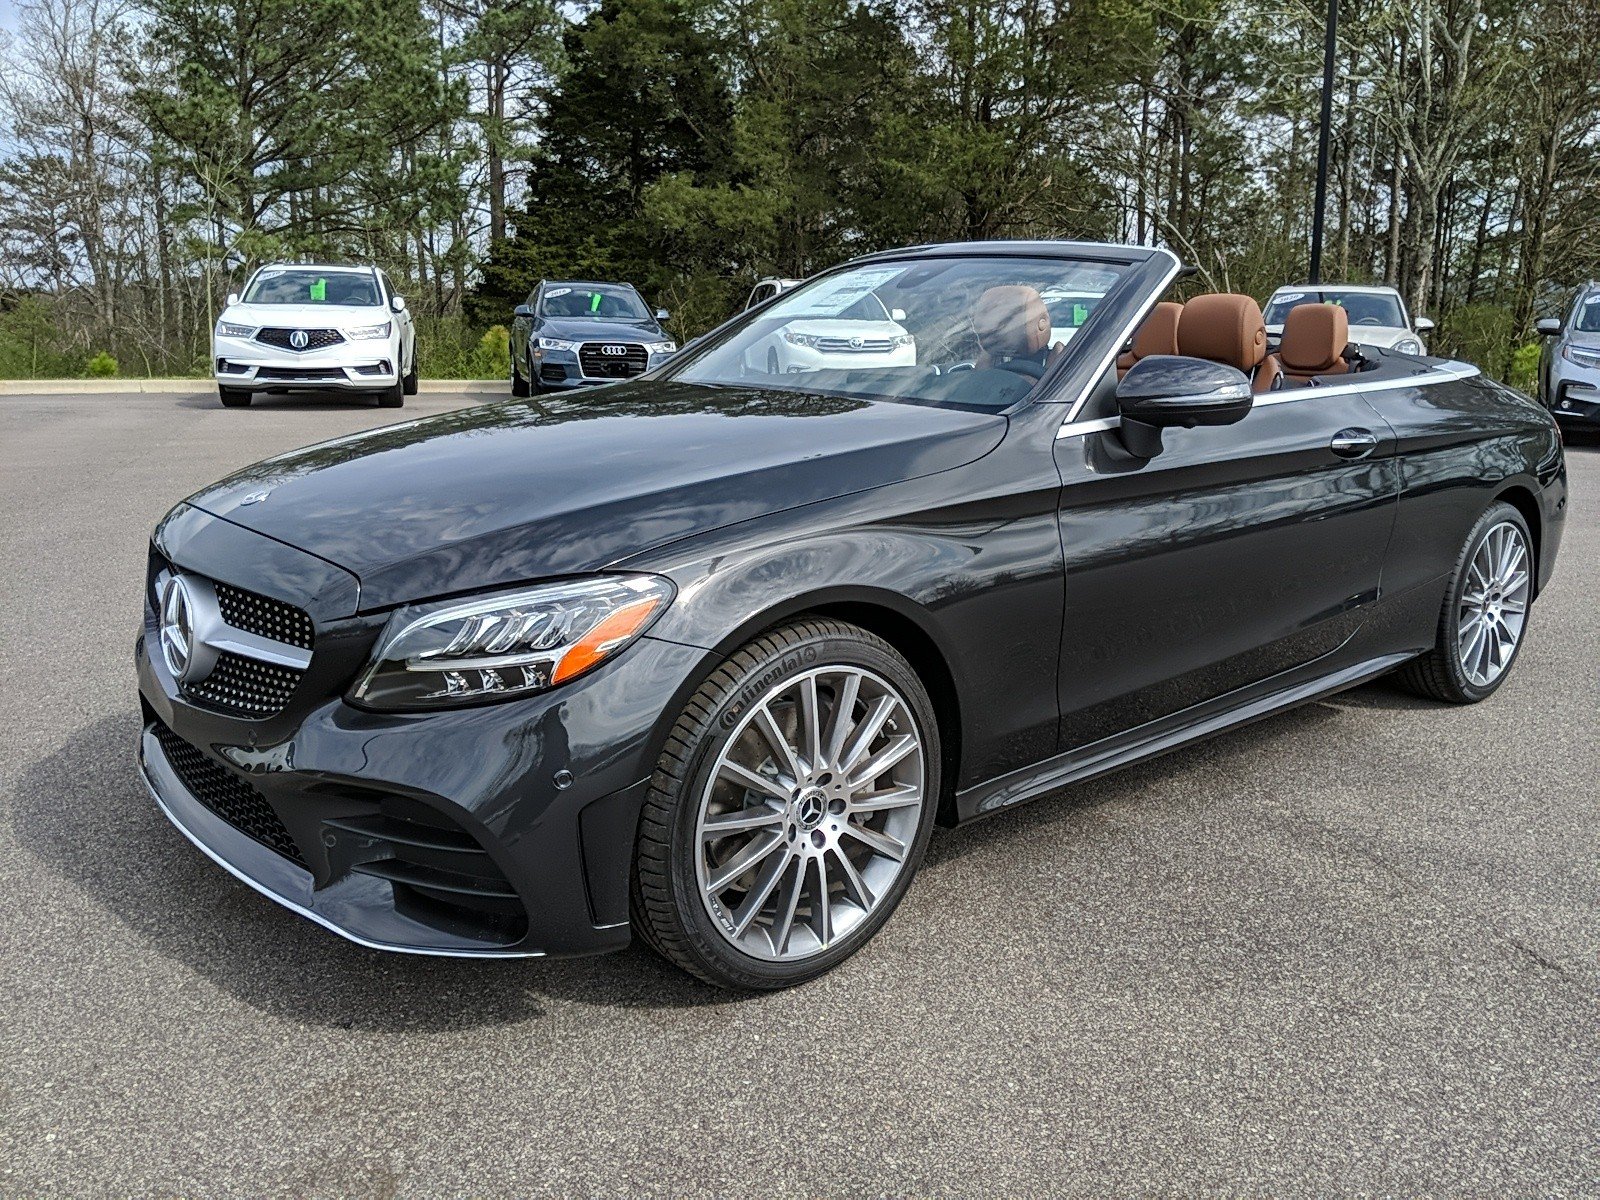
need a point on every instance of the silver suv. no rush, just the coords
(1569, 365)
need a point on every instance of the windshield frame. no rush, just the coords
(618, 290)
(1144, 273)
(275, 271)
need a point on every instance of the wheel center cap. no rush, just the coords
(809, 807)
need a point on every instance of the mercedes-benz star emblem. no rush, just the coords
(177, 627)
(299, 339)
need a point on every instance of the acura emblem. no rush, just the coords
(613, 349)
(177, 627)
(299, 338)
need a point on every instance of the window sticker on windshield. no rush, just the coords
(594, 302)
(319, 290)
(271, 272)
(1591, 301)
(1080, 313)
(554, 292)
(833, 296)
(1291, 297)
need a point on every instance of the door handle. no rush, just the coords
(1353, 443)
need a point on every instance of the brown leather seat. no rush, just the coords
(1227, 328)
(1011, 321)
(1157, 334)
(1313, 343)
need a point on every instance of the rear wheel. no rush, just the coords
(233, 397)
(408, 381)
(790, 808)
(1485, 613)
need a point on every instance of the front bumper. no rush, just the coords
(1575, 394)
(559, 370)
(243, 363)
(501, 830)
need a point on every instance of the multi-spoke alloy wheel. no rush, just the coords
(1485, 613)
(790, 807)
(810, 812)
(1494, 604)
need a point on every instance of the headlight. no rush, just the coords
(904, 339)
(1408, 346)
(363, 333)
(799, 339)
(556, 344)
(662, 347)
(1582, 358)
(509, 644)
(230, 329)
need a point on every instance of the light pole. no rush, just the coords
(1329, 49)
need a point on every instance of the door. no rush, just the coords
(1237, 553)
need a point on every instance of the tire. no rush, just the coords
(408, 381)
(519, 385)
(233, 397)
(802, 812)
(392, 397)
(774, 367)
(1459, 669)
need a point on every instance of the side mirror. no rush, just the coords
(523, 310)
(233, 298)
(1422, 325)
(398, 303)
(662, 314)
(1548, 327)
(1166, 390)
(897, 314)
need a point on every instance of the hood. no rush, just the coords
(577, 329)
(307, 316)
(832, 327)
(1583, 339)
(1384, 336)
(517, 491)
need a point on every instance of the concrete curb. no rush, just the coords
(112, 387)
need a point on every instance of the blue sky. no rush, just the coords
(8, 14)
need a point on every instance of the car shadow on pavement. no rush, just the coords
(84, 813)
(333, 400)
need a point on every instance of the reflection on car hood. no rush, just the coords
(306, 316)
(522, 490)
(579, 329)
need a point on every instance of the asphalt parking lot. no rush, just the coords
(1352, 948)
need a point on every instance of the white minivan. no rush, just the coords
(314, 327)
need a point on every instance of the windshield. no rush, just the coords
(1586, 317)
(1362, 308)
(966, 332)
(307, 285)
(593, 301)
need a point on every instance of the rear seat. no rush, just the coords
(1158, 334)
(1313, 344)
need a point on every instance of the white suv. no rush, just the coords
(1377, 315)
(310, 327)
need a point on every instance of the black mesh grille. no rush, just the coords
(225, 794)
(245, 685)
(597, 364)
(316, 339)
(302, 374)
(264, 616)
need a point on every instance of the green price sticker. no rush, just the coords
(1080, 314)
(319, 290)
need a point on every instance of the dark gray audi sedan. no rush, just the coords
(705, 656)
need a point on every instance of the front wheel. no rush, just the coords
(1485, 613)
(392, 397)
(519, 385)
(789, 809)
(233, 397)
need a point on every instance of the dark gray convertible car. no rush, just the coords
(704, 657)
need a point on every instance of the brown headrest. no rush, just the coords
(1225, 328)
(1314, 338)
(1159, 332)
(1012, 320)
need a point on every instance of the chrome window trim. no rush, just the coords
(1122, 339)
(1442, 373)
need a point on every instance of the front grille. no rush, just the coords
(597, 364)
(246, 686)
(839, 345)
(302, 374)
(264, 616)
(224, 793)
(316, 339)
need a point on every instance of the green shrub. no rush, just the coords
(1525, 367)
(101, 366)
(492, 357)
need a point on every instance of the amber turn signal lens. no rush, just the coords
(596, 645)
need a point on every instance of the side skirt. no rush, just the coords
(1158, 738)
